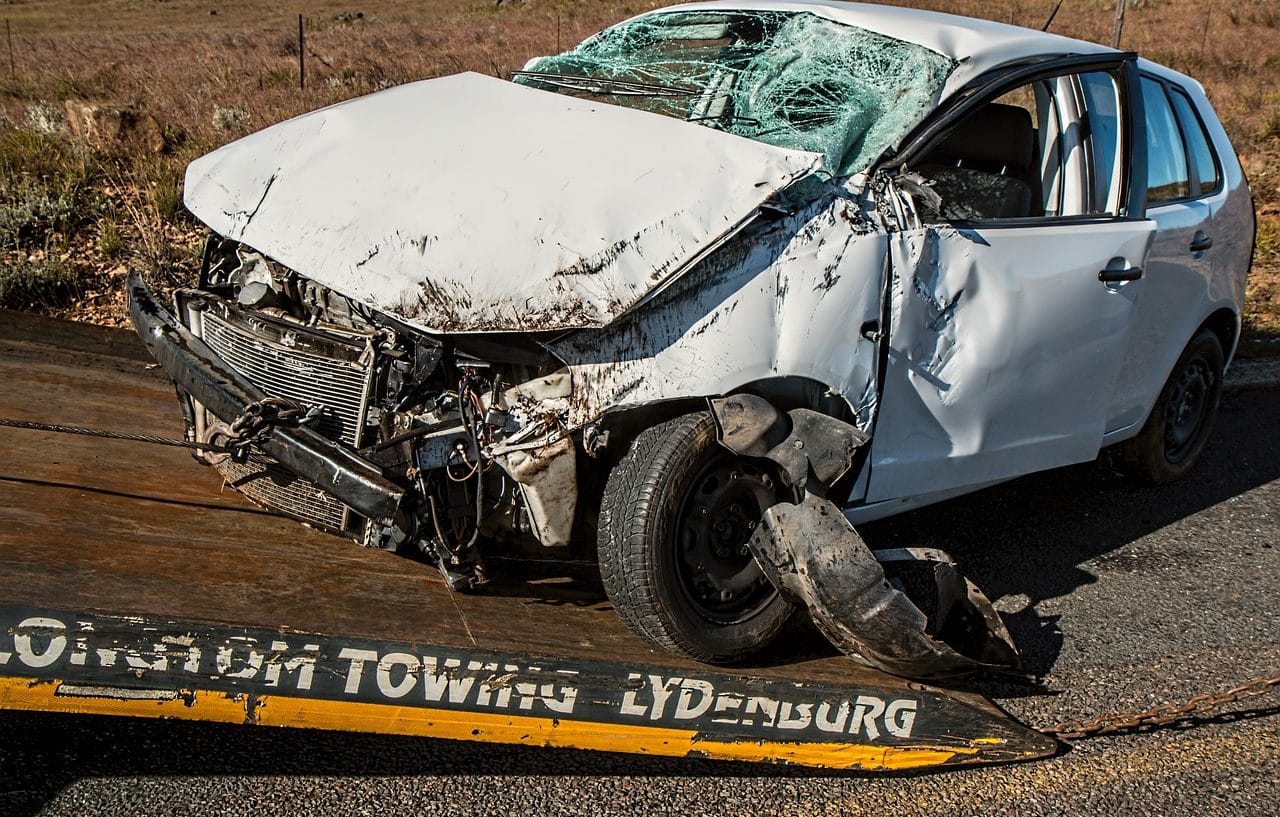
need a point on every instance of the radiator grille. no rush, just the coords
(339, 386)
(266, 483)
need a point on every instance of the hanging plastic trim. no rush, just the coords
(791, 79)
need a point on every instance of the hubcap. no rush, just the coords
(718, 574)
(1186, 408)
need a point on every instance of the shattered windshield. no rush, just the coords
(789, 79)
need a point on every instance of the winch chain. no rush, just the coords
(252, 426)
(260, 417)
(1163, 714)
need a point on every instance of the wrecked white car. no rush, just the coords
(697, 296)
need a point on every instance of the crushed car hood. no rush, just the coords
(471, 204)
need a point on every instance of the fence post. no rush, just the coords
(302, 63)
(1119, 26)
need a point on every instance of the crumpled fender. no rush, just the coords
(802, 442)
(811, 553)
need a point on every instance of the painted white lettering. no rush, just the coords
(192, 664)
(826, 723)
(662, 692)
(79, 646)
(437, 681)
(691, 689)
(726, 707)
(865, 711)
(43, 649)
(303, 663)
(763, 706)
(387, 684)
(157, 662)
(564, 703)
(106, 656)
(900, 718)
(629, 705)
(802, 718)
(355, 671)
(496, 689)
(239, 658)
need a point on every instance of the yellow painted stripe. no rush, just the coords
(612, 737)
(25, 693)
(359, 716)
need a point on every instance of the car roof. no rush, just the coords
(976, 45)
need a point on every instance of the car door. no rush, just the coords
(1011, 309)
(1183, 184)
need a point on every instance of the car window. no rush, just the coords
(1201, 153)
(1167, 175)
(1046, 149)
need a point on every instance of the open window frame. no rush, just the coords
(985, 89)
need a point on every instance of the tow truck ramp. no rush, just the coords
(132, 583)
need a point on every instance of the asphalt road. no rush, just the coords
(1120, 596)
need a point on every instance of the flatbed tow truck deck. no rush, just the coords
(133, 583)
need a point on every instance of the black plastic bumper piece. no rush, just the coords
(198, 371)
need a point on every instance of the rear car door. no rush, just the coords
(1184, 187)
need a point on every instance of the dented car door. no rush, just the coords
(1003, 341)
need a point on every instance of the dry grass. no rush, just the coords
(208, 78)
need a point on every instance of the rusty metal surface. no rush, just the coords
(133, 537)
(112, 526)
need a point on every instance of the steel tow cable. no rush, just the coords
(260, 417)
(111, 435)
(254, 423)
(1164, 714)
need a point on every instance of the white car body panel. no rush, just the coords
(1173, 277)
(1001, 340)
(544, 211)
(790, 305)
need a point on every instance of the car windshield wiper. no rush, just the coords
(606, 87)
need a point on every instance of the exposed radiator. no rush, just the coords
(316, 369)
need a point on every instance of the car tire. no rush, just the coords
(1178, 427)
(676, 514)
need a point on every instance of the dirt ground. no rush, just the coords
(190, 75)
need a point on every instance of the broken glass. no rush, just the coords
(791, 79)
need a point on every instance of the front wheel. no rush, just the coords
(676, 515)
(1175, 434)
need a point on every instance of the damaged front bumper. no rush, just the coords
(200, 373)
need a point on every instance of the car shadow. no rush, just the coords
(1024, 541)
(1034, 536)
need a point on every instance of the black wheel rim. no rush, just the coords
(1190, 398)
(716, 571)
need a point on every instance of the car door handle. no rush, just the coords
(1109, 276)
(1200, 242)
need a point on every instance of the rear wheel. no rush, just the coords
(675, 518)
(1175, 434)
